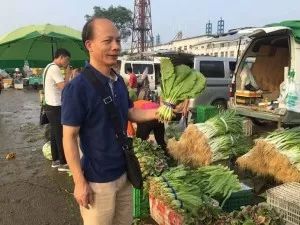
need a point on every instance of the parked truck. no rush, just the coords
(273, 59)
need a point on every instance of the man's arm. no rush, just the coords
(141, 115)
(60, 81)
(82, 191)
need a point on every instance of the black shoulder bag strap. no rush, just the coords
(133, 167)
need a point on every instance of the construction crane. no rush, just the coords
(142, 37)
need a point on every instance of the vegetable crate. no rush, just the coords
(285, 199)
(239, 199)
(204, 112)
(140, 203)
(162, 214)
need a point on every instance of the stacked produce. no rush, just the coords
(277, 155)
(178, 83)
(151, 157)
(217, 139)
(261, 214)
(190, 192)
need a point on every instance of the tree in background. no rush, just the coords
(120, 15)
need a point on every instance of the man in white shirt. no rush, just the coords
(54, 82)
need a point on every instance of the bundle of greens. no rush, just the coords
(219, 138)
(224, 123)
(279, 148)
(151, 157)
(191, 191)
(287, 142)
(178, 83)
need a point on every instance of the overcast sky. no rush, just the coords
(168, 16)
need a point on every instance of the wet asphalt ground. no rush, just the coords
(31, 192)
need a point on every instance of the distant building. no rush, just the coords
(223, 45)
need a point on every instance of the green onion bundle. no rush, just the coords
(224, 123)
(287, 142)
(217, 139)
(222, 147)
(279, 153)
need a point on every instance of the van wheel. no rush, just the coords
(220, 104)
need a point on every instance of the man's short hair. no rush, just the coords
(87, 30)
(62, 52)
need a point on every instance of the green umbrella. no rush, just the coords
(38, 43)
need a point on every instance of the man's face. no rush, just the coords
(105, 45)
(64, 61)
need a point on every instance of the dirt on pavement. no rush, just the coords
(31, 192)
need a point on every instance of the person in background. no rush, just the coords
(181, 110)
(54, 83)
(144, 129)
(18, 76)
(132, 81)
(102, 188)
(132, 84)
(144, 90)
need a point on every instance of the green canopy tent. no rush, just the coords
(294, 25)
(38, 43)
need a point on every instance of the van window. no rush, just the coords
(127, 66)
(212, 69)
(232, 66)
(140, 68)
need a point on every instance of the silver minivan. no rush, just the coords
(218, 72)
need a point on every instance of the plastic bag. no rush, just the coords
(47, 151)
(292, 100)
(182, 124)
(174, 129)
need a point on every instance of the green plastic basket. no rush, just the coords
(141, 207)
(204, 112)
(239, 199)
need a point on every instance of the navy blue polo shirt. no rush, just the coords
(103, 158)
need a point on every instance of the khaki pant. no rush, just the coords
(112, 204)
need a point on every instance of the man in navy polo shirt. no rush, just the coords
(101, 187)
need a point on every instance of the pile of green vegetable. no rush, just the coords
(261, 214)
(178, 83)
(278, 148)
(192, 192)
(152, 158)
(287, 142)
(218, 138)
(226, 122)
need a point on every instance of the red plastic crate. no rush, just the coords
(162, 214)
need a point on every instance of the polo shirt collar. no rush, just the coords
(102, 77)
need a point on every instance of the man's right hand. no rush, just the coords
(83, 194)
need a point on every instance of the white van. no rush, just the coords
(275, 54)
(151, 68)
